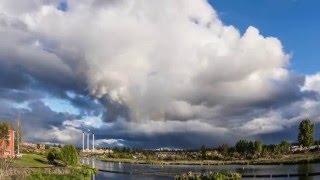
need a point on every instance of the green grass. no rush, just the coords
(77, 173)
(40, 176)
(32, 160)
(36, 167)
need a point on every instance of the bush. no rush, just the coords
(53, 154)
(69, 155)
(209, 176)
(46, 146)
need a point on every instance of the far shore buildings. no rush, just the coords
(7, 146)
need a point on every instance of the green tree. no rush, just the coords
(284, 147)
(258, 147)
(4, 133)
(242, 146)
(224, 149)
(250, 148)
(69, 155)
(306, 132)
(4, 130)
(203, 152)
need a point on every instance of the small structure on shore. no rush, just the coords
(7, 145)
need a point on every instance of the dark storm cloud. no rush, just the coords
(19, 96)
(35, 118)
(42, 114)
(114, 110)
(87, 105)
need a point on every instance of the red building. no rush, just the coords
(7, 146)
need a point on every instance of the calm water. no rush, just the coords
(156, 172)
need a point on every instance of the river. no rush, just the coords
(119, 171)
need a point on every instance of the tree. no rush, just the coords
(223, 149)
(203, 151)
(306, 132)
(4, 130)
(257, 147)
(250, 148)
(69, 155)
(284, 147)
(242, 146)
(4, 133)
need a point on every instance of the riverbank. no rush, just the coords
(310, 157)
(36, 166)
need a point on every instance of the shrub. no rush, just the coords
(69, 155)
(53, 154)
(209, 176)
(46, 146)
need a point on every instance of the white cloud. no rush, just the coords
(172, 63)
(110, 142)
(312, 83)
(271, 123)
(147, 58)
(64, 135)
(85, 123)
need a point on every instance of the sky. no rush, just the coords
(150, 74)
(294, 22)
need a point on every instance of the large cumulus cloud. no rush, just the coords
(161, 69)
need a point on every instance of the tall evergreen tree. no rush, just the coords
(306, 133)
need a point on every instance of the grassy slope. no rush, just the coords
(38, 176)
(32, 160)
(39, 162)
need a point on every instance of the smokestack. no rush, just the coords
(92, 141)
(83, 141)
(88, 136)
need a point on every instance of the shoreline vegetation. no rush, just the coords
(309, 157)
(209, 176)
(244, 152)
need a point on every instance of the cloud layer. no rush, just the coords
(148, 72)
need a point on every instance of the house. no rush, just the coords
(7, 146)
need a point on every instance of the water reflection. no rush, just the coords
(305, 168)
(146, 171)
